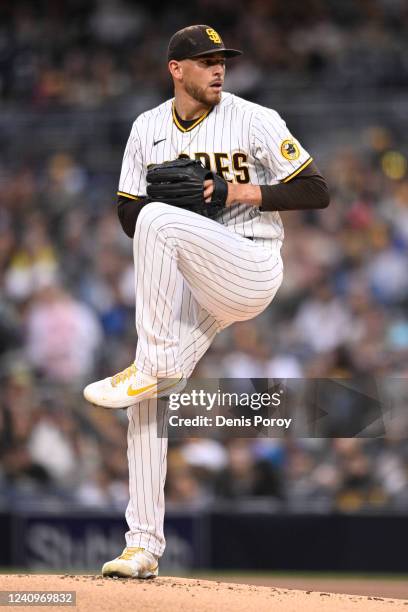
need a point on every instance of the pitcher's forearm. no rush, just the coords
(250, 194)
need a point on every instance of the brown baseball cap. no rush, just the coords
(195, 41)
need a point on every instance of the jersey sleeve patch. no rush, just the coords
(296, 172)
(290, 149)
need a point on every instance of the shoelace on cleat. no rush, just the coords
(129, 552)
(124, 375)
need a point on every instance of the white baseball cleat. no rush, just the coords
(132, 563)
(130, 387)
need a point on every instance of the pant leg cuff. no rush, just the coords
(147, 541)
(150, 372)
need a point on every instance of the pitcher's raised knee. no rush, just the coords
(152, 211)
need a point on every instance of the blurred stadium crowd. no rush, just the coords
(81, 53)
(66, 273)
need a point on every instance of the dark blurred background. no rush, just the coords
(73, 77)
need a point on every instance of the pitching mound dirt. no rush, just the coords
(175, 595)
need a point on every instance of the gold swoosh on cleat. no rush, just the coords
(132, 392)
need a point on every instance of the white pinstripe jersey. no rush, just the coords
(242, 141)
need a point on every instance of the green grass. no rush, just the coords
(227, 574)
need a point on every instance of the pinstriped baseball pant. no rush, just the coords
(193, 278)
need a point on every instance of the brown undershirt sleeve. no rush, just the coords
(128, 211)
(306, 191)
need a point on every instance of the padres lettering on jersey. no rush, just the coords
(241, 141)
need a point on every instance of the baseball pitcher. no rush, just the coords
(203, 179)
